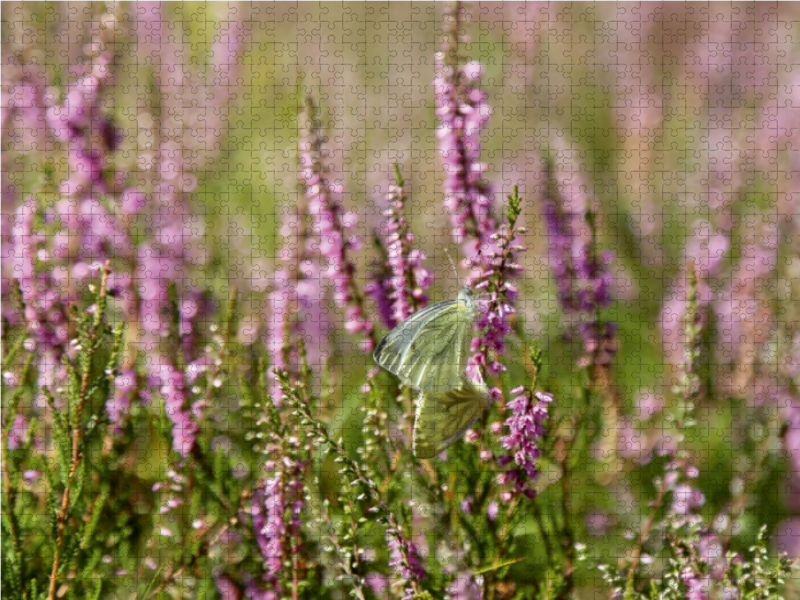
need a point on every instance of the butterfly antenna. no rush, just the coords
(452, 264)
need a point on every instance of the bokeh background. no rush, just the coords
(678, 122)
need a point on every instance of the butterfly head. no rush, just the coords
(466, 297)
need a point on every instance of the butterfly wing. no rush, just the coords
(443, 417)
(429, 350)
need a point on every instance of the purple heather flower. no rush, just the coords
(227, 588)
(494, 325)
(497, 306)
(582, 277)
(409, 277)
(330, 238)
(463, 113)
(791, 444)
(706, 250)
(47, 288)
(686, 499)
(415, 570)
(635, 443)
(31, 475)
(740, 308)
(379, 584)
(525, 426)
(598, 522)
(787, 537)
(258, 590)
(184, 419)
(697, 584)
(379, 289)
(117, 406)
(282, 493)
(19, 432)
(296, 310)
(24, 105)
(268, 510)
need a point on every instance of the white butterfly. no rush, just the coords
(429, 351)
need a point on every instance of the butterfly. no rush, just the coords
(429, 351)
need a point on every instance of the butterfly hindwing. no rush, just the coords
(441, 418)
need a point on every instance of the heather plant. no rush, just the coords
(190, 405)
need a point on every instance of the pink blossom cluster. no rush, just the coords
(117, 407)
(525, 426)
(296, 311)
(581, 273)
(414, 570)
(409, 278)
(185, 417)
(267, 511)
(463, 113)
(498, 305)
(53, 249)
(276, 513)
(331, 237)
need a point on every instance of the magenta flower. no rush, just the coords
(463, 113)
(118, 405)
(184, 418)
(276, 511)
(788, 536)
(54, 251)
(19, 432)
(227, 588)
(379, 289)
(697, 585)
(297, 303)
(24, 106)
(378, 583)
(525, 426)
(409, 277)
(268, 510)
(686, 499)
(498, 306)
(581, 274)
(46, 292)
(414, 570)
(332, 236)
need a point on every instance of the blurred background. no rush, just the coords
(677, 122)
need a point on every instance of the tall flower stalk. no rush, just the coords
(463, 113)
(331, 234)
(580, 271)
(501, 265)
(525, 427)
(409, 277)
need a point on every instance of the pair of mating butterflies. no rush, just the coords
(429, 351)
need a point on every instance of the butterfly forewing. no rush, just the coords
(443, 417)
(429, 350)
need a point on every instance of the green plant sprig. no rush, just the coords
(384, 515)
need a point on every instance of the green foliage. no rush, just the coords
(356, 497)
